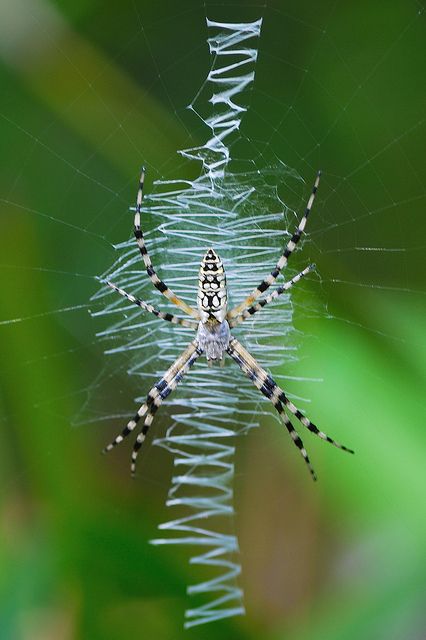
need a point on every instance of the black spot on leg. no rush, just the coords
(266, 390)
(270, 381)
(161, 385)
(277, 404)
(298, 442)
(137, 444)
(136, 418)
(145, 429)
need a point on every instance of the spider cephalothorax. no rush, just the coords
(213, 323)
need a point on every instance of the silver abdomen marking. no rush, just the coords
(212, 295)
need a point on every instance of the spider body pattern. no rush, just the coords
(213, 323)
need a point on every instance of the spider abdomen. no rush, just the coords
(212, 296)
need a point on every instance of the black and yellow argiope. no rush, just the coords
(212, 323)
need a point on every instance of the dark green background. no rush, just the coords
(89, 91)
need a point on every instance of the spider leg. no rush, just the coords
(127, 429)
(295, 437)
(247, 313)
(156, 281)
(156, 395)
(258, 376)
(169, 317)
(269, 388)
(160, 391)
(306, 422)
(290, 247)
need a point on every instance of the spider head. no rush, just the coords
(212, 295)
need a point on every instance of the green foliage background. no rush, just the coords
(82, 104)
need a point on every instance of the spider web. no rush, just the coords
(92, 164)
(231, 207)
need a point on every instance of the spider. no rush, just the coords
(213, 323)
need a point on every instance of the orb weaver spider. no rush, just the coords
(213, 322)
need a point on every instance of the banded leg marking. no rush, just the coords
(290, 247)
(267, 385)
(258, 376)
(169, 317)
(276, 393)
(307, 423)
(247, 313)
(156, 281)
(296, 438)
(159, 393)
(127, 429)
(155, 397)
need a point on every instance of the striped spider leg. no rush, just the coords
(169, 317)
(269, 388)
(248, 313)
(282, 262)
(156, 281)
(213, 337)
(155, 398)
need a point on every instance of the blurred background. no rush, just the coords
(90, 90)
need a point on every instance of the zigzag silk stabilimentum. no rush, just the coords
(233, 212)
